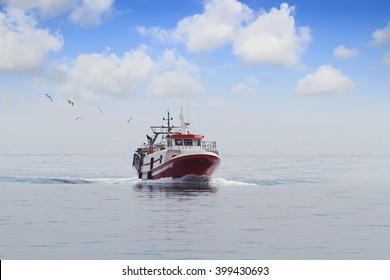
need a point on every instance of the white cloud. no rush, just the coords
(90, 12)
(45, 7)
(170, 60)
(173, 83)
(91, 76)
(386, 59)
(344, 52)
(216, 26)
(242, 90)
(24, 46)
(157, 33)
(381, 36)
(326, 80)
(271, 38)
(84, 12)
(173, 76)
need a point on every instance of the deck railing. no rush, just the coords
(203, 145)
(209, 145)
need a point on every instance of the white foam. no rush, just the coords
(162, 181)
(184, 180)
(225, 182)
(132, 180)
(211, 181)
(170, 181)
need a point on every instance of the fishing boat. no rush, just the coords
(174, 152)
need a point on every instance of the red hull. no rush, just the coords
(190, 165)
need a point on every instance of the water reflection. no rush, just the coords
(176, 188)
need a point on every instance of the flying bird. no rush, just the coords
(128, 121)
(70, 102)
(48, 96)
(100, 110)
(79, 118)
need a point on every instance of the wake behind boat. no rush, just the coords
(177, 154)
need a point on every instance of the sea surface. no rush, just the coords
(258, 206)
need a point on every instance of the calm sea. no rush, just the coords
(262, 206)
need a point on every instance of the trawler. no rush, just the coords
(174, 152)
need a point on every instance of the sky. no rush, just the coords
(254, 75)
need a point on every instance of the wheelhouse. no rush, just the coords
(186, 140)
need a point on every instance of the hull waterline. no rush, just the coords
(186, 166)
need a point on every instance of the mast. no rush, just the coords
(168, 119)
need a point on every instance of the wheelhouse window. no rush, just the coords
(187, 142)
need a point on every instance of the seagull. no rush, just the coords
(70, 102)
(128, 121)
(79, 118)
(51, 99)
(101, 111)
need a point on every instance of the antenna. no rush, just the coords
(182, 116)
(188, 108)
(184, 123)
